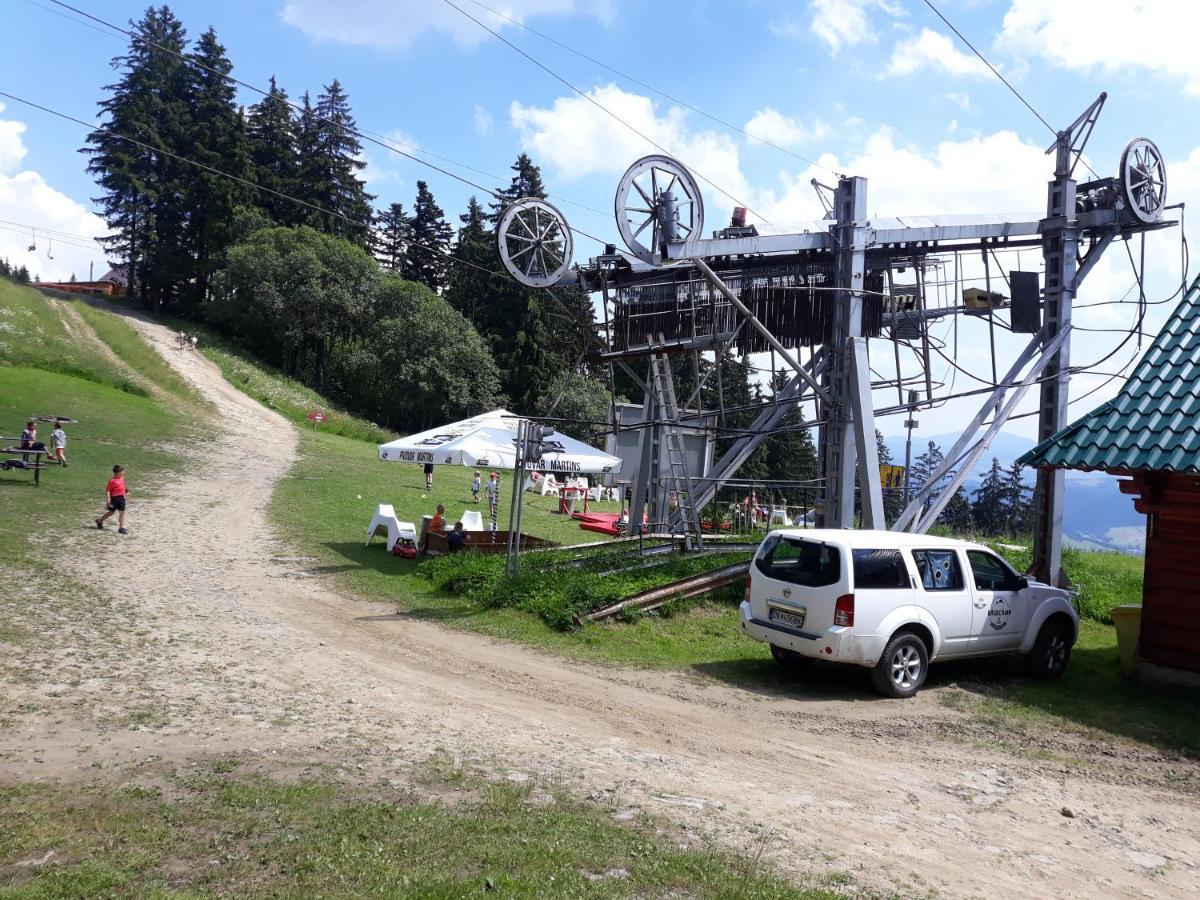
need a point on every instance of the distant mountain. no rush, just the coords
(1097, 514)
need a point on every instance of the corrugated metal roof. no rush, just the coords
(1154, 422)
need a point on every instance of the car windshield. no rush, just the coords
(800, 561)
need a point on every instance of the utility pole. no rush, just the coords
(1060, 251)
(910, 423)
(849, 435)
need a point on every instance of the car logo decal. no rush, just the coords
(999, 613)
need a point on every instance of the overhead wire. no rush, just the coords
(600, 106)
(1029, 106)
(650, 87)
(371, 137)
(243, 181)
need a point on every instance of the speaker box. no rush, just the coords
(1026, 302)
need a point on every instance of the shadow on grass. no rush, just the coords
(1092, 694)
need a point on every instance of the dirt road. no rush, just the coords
(221, 643)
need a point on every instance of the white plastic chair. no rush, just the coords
(550, 485)
(779, 519)
(472, 520)
(385, 518)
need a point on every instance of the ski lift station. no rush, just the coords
(836, 303)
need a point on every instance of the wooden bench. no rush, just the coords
(482, 541)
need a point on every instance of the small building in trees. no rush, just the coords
(1149, 437)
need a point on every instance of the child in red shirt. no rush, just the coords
(115, 496)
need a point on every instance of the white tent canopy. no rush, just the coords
(489, 440)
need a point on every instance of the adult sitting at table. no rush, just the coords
(29, 439)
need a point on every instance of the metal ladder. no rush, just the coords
(679, 479)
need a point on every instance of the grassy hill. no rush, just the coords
(323, 507)
(62, 358)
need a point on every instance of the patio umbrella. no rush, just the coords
(489, 440)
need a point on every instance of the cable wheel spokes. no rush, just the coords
(534, 242)
(643, 209)
(1144, 180)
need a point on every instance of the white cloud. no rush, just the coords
(25, 197)
(960, 98)
(577, 139)
(1108, 35)
(484, 123)
(995, 173)
(842, 23)
(397, 24)
(12, 148)
(933, 50)
(772, 125)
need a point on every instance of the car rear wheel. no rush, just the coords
(901, 669)
(1051, 651)
(789, 660)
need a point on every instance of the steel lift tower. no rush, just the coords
(828, 287)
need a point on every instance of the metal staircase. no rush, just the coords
(680, 481)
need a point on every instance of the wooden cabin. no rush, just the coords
(1149, 436)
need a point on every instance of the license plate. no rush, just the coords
(787, 617)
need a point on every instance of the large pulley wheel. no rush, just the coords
(1144, 180)
(658, 201)
(534, 242)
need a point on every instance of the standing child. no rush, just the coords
(115, 493)
(476, 484)
(58, 444)
(428, 477)
(493, 497)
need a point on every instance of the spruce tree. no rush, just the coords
(272, 133)
(219, 141)
(526, 182)
(957, 514)
(790, 452)
(390, 238)
(989, 509)
(330, 160)
(467, 287)
(1018, 505)
(922, 471)
(429, 245)
(142, 189)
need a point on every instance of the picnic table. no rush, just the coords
(24, 463)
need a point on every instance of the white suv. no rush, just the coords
(892, 601)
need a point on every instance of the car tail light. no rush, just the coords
(843, 611)
(746, 590)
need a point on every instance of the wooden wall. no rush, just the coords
(1171, 594)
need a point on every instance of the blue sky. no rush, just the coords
(871, 87)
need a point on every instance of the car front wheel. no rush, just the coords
(1051, 651)
(901, 669)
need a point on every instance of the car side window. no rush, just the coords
(880, 569)
(801, 562)
(991, 574)
(938, 569)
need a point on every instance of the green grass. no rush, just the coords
(118, 423)
(222, 835)
(126, 343)
(1092, 695)
(323, 508)
(34, 334)
(1104, 580)
(560, 594)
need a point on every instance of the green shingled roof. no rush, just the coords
(1154, 422)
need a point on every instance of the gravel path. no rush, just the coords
(220, 644)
